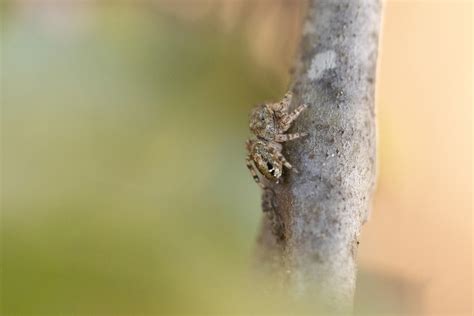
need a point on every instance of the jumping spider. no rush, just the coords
(269, 122)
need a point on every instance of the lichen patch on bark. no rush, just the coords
(320, 63)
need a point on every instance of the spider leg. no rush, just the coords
(278, 155)
(289, 118)
(248, 144)
(281, 108)
(287, 100)
(280, 138)
(253, 172)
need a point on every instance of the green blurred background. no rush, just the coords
(124, 183)
(124, 188)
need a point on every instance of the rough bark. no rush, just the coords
(321, 209)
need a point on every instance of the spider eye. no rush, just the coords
(270, 167)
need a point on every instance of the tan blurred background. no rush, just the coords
(123, 184)
(421, 228)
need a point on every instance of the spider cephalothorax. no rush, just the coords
(269, 122)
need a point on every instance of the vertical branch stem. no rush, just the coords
(323, 207)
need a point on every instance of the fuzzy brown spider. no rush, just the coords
(269, 122)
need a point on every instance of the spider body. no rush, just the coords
(263, 122)
(269, 123)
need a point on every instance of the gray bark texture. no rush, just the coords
(309, 238)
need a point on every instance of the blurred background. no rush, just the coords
(124, 188)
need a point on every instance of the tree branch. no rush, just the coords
(319, 211)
